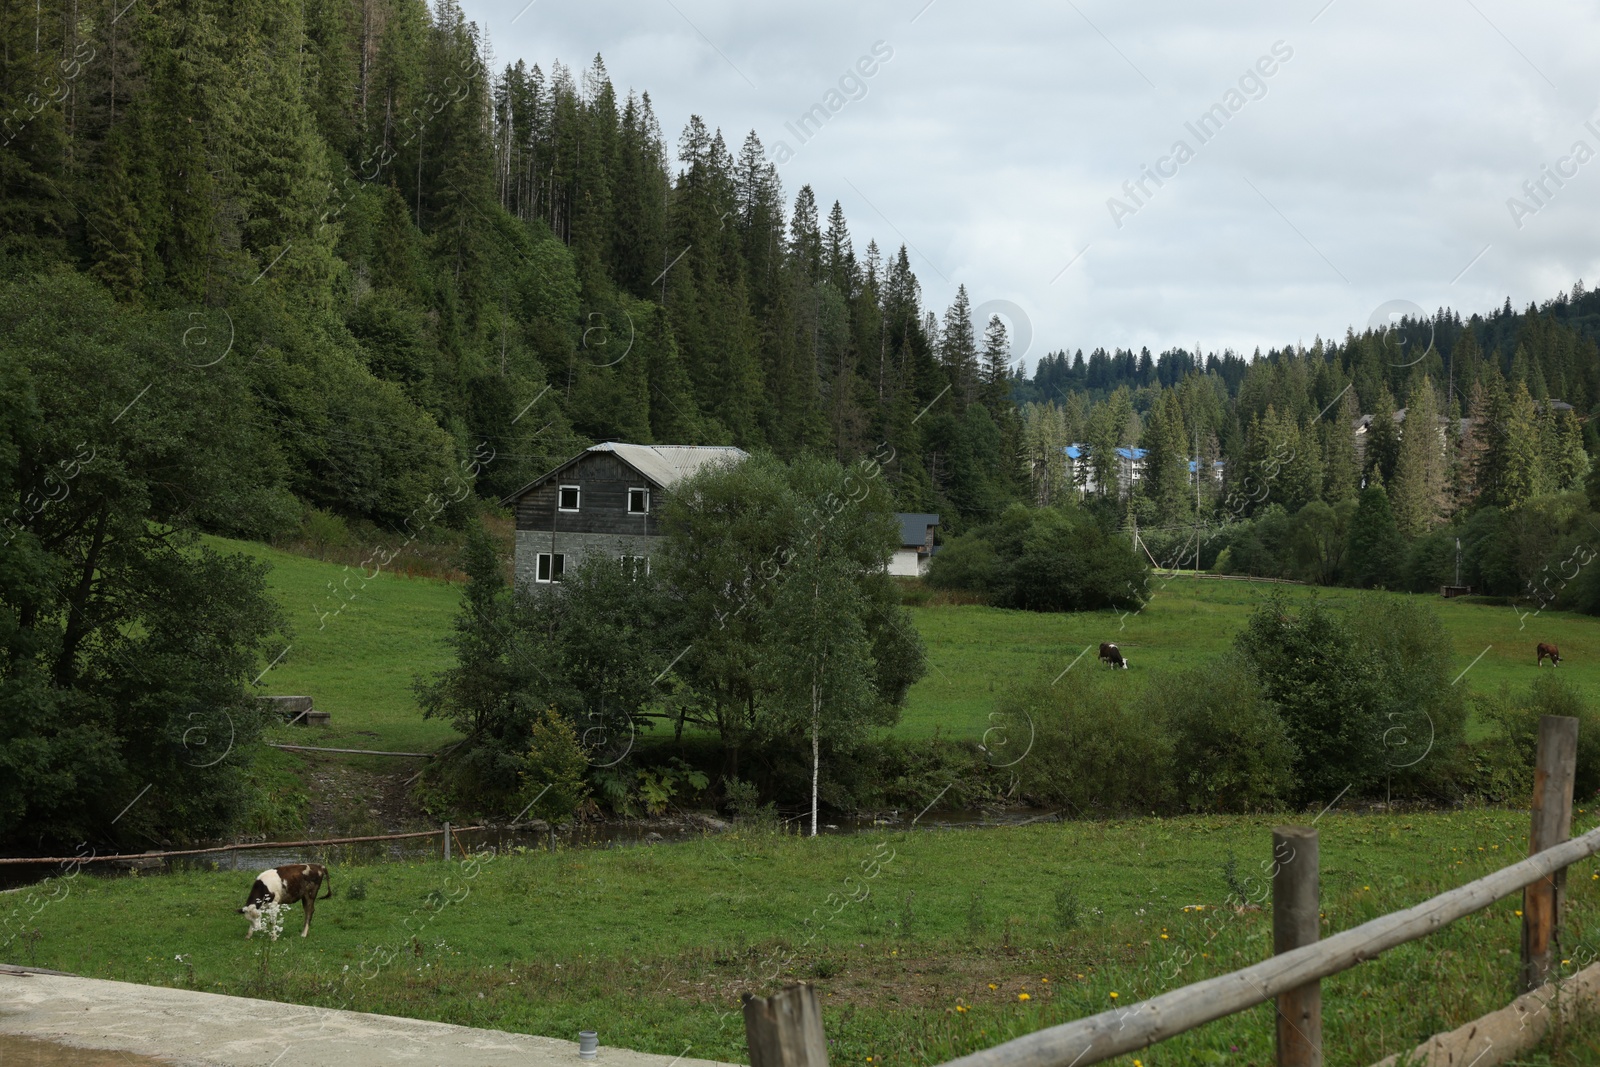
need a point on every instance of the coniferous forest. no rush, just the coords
(415, 258)
(266, 263)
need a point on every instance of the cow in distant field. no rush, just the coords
(1548, 650)
(284, 886)
(1112, 655)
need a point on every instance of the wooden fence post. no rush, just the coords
(785, 1029)
(1554, 769)
(1296, 921)
(447, 842)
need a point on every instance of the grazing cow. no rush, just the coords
(1548, 650)
(1112, 655)
(283, 886)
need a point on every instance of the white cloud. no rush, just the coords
(1386, 146)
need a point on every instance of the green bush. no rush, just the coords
(1367, 701)
(967, 563)
(1045, 559)
(1231, 748)
(1095, 749)
(553, 768)
(1515, 717)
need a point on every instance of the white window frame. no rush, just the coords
(634, 560)
(577, 494)
(553, 565)
(645, 489)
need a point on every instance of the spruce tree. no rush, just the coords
(1421, 477)
(1340, 473)
(1382, 439)
(1376, 551)
(958, 349)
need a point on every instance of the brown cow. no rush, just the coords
(1548, 650)
(283, 886)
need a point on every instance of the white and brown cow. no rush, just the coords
(1111, 655)
(284, 886)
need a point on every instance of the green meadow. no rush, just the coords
(358, 644)
(975, 652)
(923, 944)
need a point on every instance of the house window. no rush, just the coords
(635, 567)
(568, 498)
(638, 501)
(551, 567)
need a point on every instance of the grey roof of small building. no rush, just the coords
(665, 465)
(668, 464)
(914, 526)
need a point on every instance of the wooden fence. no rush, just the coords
(446, 835)
(785, 1030)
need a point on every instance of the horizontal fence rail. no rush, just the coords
(243, 846)
(1120, 1030)
(350, 751)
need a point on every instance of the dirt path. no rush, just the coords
(191, 1029)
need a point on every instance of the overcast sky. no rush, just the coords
(1373, 164)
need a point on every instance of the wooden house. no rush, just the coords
(603, 500)
(916, 549)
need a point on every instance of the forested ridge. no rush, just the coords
(422, 261)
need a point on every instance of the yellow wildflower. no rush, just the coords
(1023, 996)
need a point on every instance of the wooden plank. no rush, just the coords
(1492, 1039)
(246, 846)
(1296, 915)
(1554, 769)
(1120, 1030)
(350, 751)
(785, 1029)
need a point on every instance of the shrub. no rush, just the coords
(1365, 701)
(967, 563)
(1094, 749)
(1045, 559)
(553, 768)
(1516, 722)
(1231, 748)
(1431, 562)
(1421, 714)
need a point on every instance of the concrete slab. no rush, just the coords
(191, 1029)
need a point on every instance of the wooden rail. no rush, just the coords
(241, 847)
(1293, 975)
(350, 751)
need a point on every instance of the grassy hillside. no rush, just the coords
(359, 663)
(357, 651)
(929, 958)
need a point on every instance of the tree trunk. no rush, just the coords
(816, 753)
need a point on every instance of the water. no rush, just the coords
(31, 1052)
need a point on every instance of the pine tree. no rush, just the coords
(958, 349)
(1382, 444)
(1376, 550)
(1341, 476)
(1421, 477)
(1166, 465)
(996, 365)
(1566, 460)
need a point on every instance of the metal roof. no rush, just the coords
(668, 464)
(914, 526)
(665, 465)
